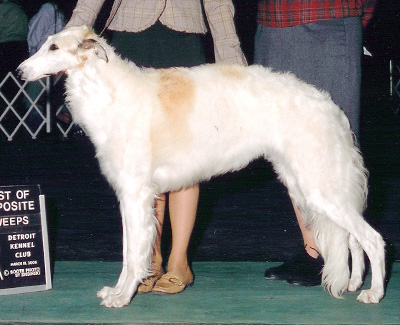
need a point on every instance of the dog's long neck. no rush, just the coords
(98, 89)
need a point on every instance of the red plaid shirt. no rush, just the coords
(287, 13)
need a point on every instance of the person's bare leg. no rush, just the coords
(309, 244)
(182, 207)
(182, 210)
(159, 211)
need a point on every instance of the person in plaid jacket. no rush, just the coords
(162, 34)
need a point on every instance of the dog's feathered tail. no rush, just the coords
(331, 238)
(332, 242)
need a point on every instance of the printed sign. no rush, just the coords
(24, 247)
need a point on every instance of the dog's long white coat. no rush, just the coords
(161, 130)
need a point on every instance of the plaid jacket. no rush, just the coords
(287, 13)
(179, 15)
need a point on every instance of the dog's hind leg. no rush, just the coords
(374, 246)
(357, 269)
(139, 234)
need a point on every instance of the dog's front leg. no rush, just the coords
(106, 291)
(139, 227)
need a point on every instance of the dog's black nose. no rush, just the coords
(18, 71)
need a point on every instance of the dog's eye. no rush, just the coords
(53, 47)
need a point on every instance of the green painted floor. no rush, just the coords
(224, 292)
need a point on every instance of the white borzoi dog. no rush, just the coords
(162, 130)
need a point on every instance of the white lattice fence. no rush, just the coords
(32, 107)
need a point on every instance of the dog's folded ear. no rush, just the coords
(91, 44)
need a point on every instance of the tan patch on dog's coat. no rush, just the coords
(176, 97)
(176, 91)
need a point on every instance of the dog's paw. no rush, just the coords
(354, 284)
(113, 298)
(116, 301)
(105, 292)
(370, 296)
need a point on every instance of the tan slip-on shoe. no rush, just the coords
(150, 282)
(171, 283)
